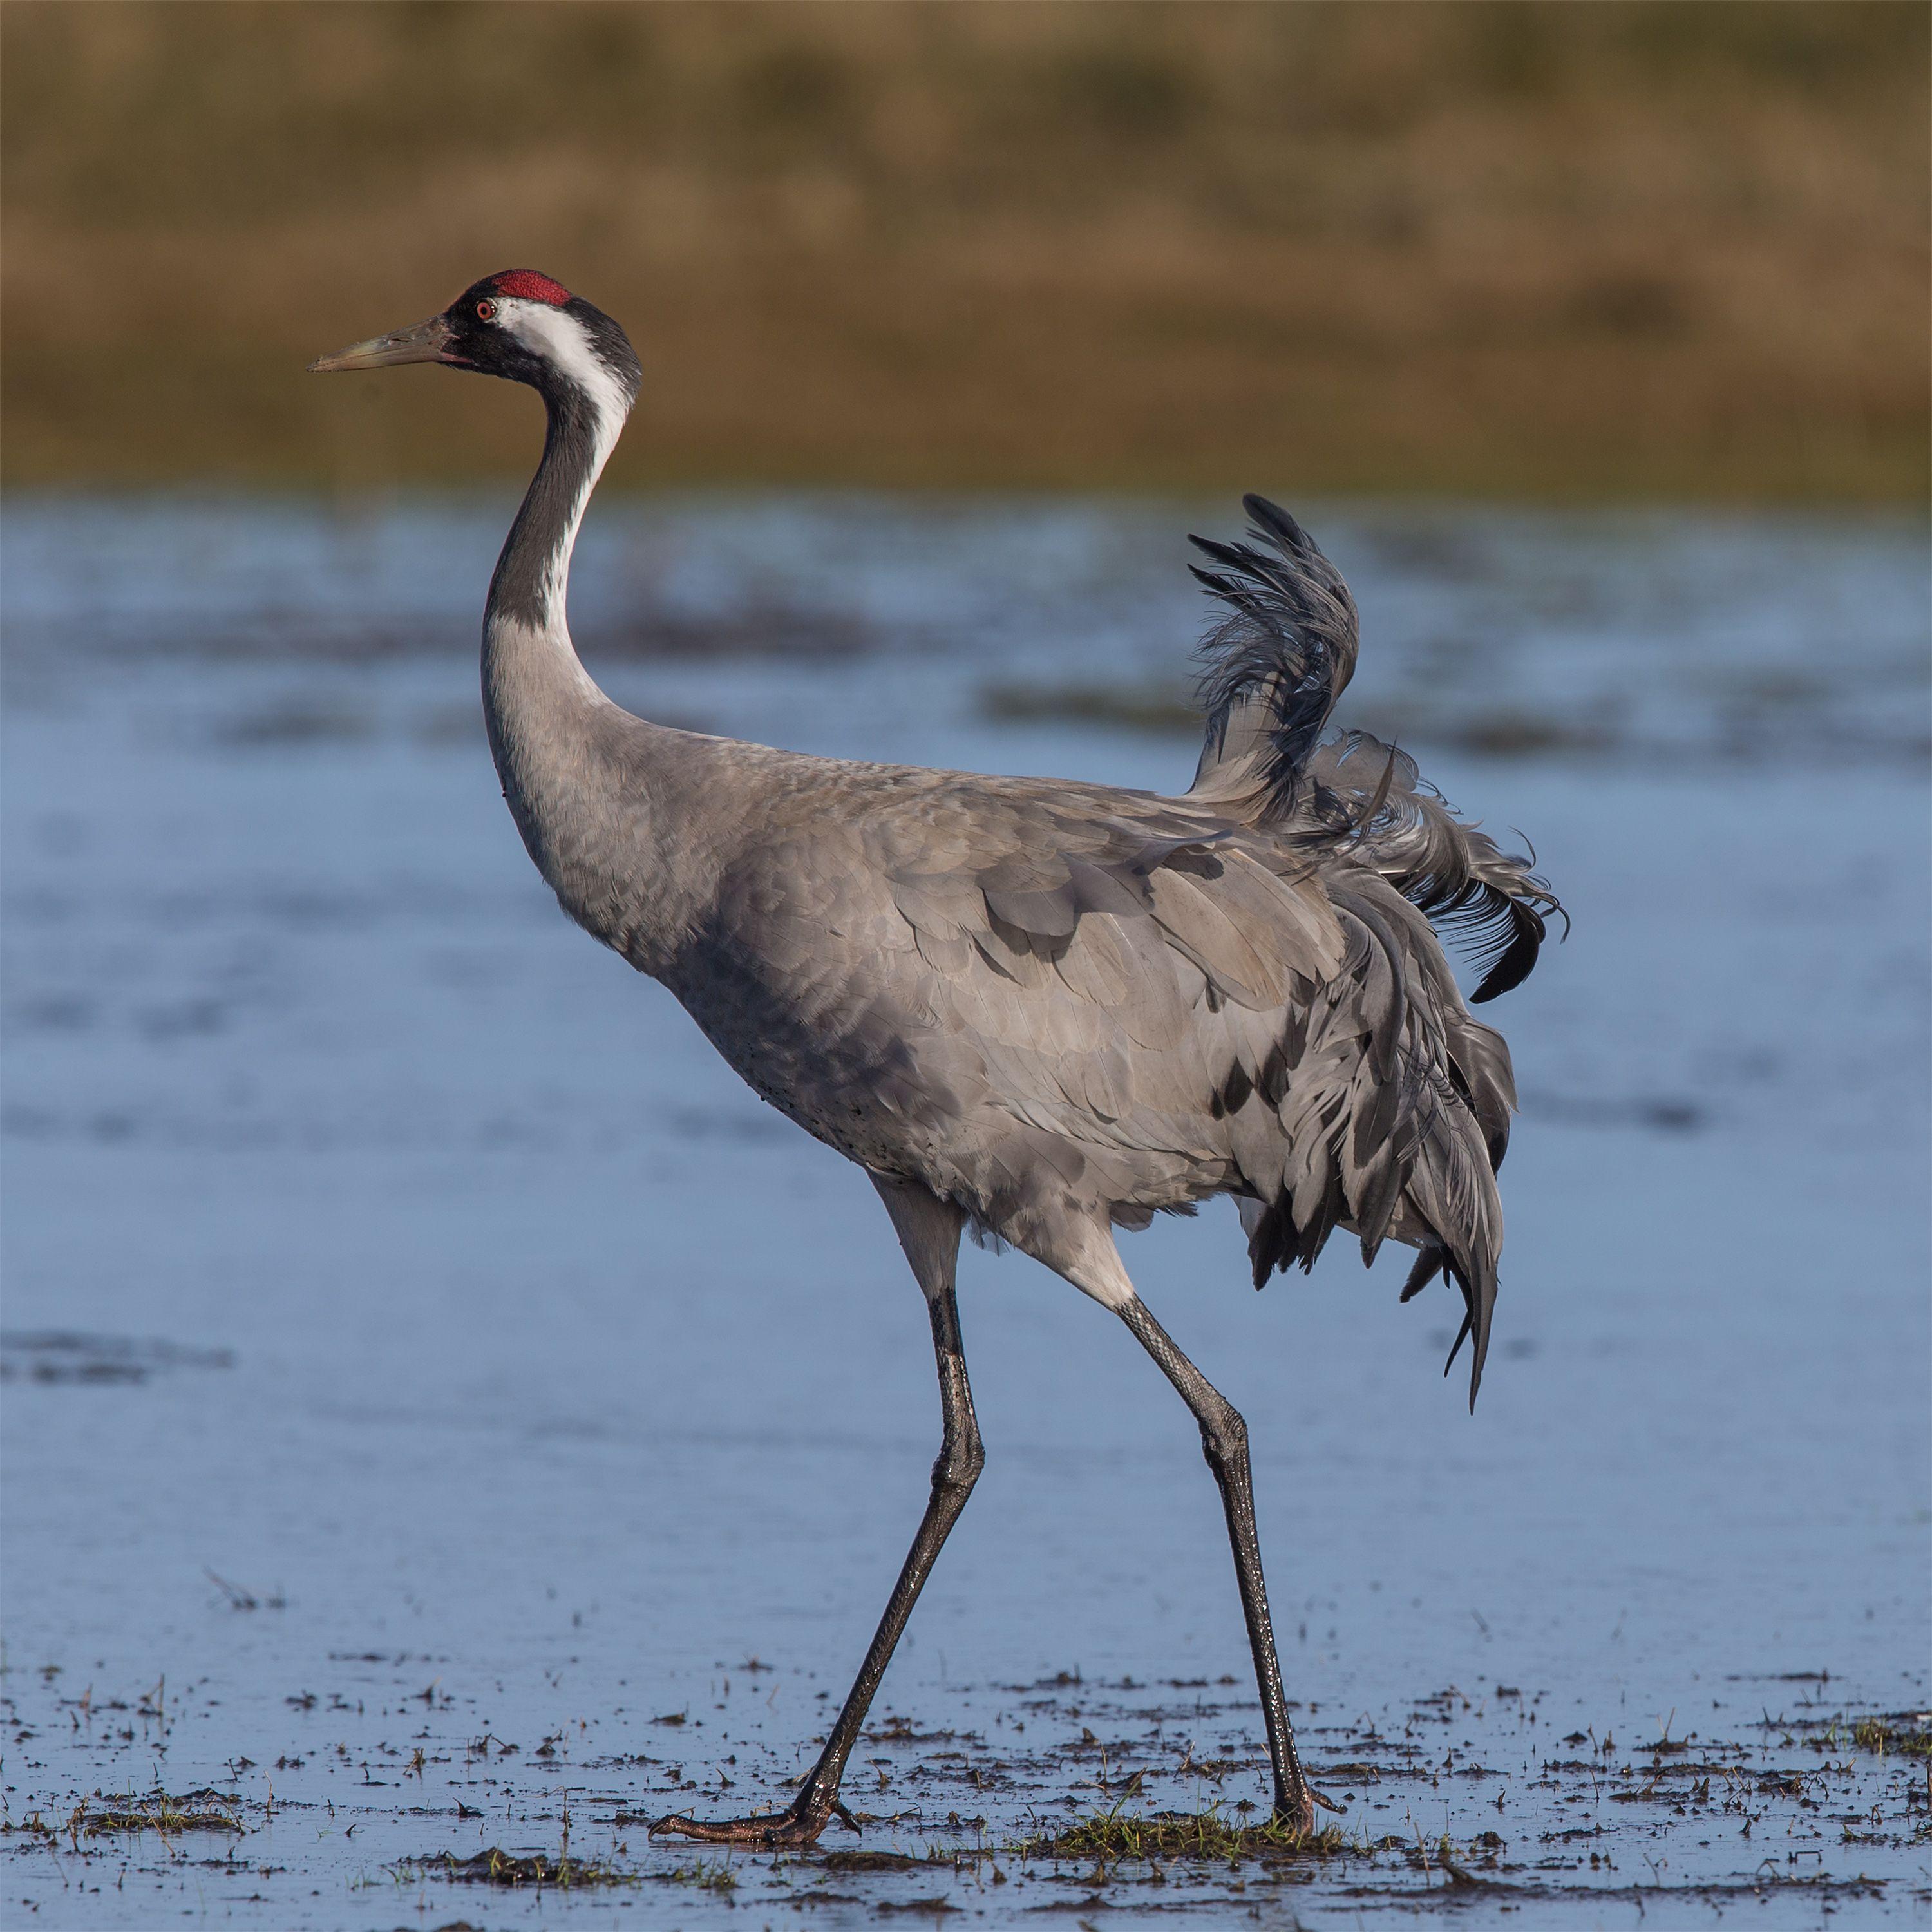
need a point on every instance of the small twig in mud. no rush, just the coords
(240, 1598)
(1665, 1744)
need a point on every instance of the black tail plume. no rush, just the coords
(1287, 644)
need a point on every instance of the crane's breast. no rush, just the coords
(806, 979)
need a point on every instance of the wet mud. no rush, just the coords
(1107, 1798)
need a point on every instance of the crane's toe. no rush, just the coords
(791, 1830)
(778, 1831)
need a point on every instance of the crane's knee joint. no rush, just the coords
(958, 1467)
(1224, 1438)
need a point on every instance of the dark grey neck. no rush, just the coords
(546, 719)
(533, 570)
(602, 798)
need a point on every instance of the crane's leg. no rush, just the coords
(1224, 1441)
(928, 1230)
(1083, 1250)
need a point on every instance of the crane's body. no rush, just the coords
(1038, 1008)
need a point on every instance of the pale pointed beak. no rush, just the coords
(425, 343)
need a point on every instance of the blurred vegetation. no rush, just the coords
(1668, 248)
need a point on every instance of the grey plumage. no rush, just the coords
(1042, 1009)
(1063, 1006)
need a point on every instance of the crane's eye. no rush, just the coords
(486, 310)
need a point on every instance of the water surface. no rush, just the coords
(420, 1342)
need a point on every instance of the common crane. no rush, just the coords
(1039, 1009)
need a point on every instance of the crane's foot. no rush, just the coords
(1295, 1808)
(792, 1829)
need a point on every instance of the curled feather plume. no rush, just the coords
(1272, 669)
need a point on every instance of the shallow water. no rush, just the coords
(419, 1341)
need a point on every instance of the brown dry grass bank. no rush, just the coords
(1539, 248)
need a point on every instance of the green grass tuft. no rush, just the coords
(158, 1811)
(707, 1875)
(1117, 1837)
(1883, 1737)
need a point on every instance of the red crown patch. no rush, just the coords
(530, 286)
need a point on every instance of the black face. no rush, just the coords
(477, 341)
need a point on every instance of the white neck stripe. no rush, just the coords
(560, 339)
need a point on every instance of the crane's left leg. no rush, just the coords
(1224, 1441)
(928, 1230)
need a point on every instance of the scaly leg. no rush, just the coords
(929, 1230)
(1224, 1441)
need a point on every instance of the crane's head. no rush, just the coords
(523, 326)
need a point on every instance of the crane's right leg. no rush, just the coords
(1086, 1255)
(1224, 1441)
(928, 1230)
